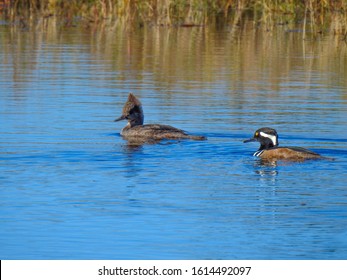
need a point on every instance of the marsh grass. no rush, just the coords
(328, 16)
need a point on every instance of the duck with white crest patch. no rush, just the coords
(269, 149)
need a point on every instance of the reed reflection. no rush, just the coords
(166, 55)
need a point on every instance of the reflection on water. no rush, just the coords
(266, 169)
(72, 188)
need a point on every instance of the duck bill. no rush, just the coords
(250, 140)
(120, 118)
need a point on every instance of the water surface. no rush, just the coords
(72, 188)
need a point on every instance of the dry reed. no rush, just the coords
(329, 16)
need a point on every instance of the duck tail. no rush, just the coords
(197, 137)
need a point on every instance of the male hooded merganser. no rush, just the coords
(269, 149)
(135, 130)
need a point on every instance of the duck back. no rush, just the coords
(157, 132)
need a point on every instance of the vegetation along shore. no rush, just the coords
(317, 16)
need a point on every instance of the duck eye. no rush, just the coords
(256, 134)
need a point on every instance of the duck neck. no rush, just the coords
(134, 122)
(267, 144)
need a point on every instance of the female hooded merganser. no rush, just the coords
(135, 130)
(269, 149)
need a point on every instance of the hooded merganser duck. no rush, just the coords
(269, 150)
(135, 130)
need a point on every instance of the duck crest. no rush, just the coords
(132, 111)
(132, 99)
(132, 105)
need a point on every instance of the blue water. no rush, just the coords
(71, 187)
